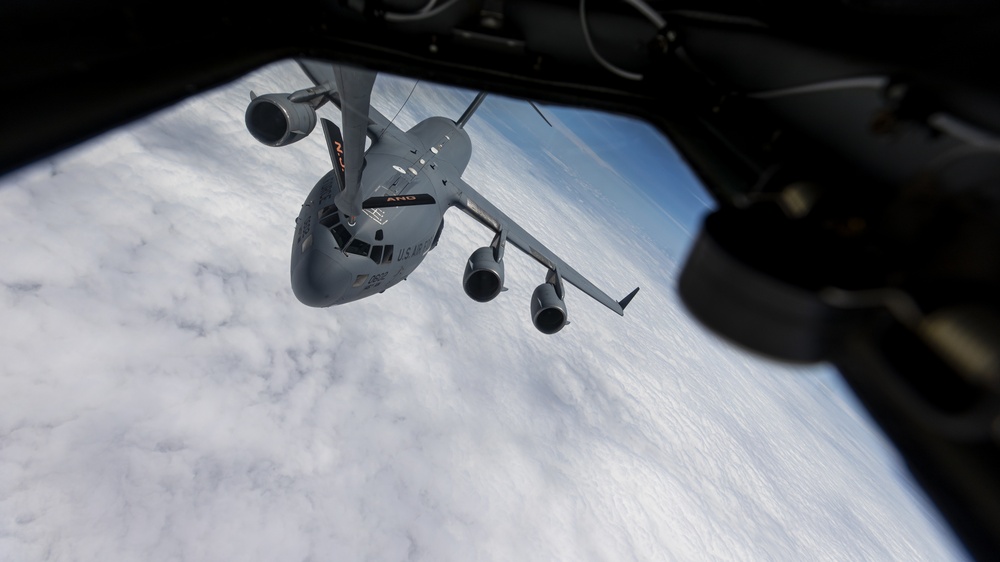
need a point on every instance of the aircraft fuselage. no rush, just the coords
(334, 262)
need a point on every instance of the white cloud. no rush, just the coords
(166, 398)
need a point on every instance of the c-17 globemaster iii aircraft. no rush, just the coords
(369, 222)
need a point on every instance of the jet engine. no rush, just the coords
(483, 278)
(548, 311)
(275, 120)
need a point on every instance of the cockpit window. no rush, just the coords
(328, 216)
(340, 234)
(376, 254)
(358, 247)
(387, 255)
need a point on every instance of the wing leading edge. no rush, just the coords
(479, 208)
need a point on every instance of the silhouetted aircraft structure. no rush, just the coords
(852, 147)
(369, 222)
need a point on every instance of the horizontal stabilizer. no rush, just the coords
(624, 302)
(398, 201)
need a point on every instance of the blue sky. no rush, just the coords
(636, 167)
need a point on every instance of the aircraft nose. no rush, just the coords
(318, 280)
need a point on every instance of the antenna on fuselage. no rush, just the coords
(472, 109)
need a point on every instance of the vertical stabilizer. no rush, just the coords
(472, 109)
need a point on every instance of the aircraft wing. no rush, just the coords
(479, 208)
(323, 74)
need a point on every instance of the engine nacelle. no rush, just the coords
(275, 120)
(548, 311)
(483, 278)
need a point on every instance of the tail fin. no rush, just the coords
(471, 109)
(540, 114)
(479, 100)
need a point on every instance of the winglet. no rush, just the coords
(624, 302)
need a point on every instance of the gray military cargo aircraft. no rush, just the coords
(369, 222)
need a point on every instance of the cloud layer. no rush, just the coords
(165, 397)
